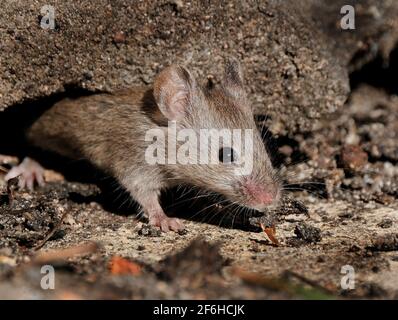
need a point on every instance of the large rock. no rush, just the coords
(291, 72)
(375, 33)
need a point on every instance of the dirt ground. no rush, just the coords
(338, 159)
(342, 177)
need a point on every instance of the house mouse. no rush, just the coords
(111, 131)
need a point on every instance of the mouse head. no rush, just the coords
(216, 143)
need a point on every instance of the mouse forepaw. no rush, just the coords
(165, 223)
(29, 172)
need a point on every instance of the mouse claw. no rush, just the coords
(166, 224)
(29, 173)
(174, 224)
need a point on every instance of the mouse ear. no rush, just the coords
(233, 79)
(173, 91)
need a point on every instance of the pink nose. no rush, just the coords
(258, 193)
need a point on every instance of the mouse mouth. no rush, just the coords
(258, 196)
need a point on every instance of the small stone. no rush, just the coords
(346, 215)
(149, 231)
(182, 232)
(308, 233)
(375, 269)
(354, 248)
(88, 75)
(119, 37)
(353, 158)
(383, 198)
(385, 223)
(388, 242)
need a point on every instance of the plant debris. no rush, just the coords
(147, 230)
(64, 254)
(122, 266)
(308, 233)
(52, 235)
(353, 158)
(199, 259)
(271, 233)
(385, 223)
(388, 242)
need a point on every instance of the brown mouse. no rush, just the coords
(110, 130)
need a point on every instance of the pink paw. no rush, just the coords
(29, 172)
(165, 223)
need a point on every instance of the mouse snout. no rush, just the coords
(259, 195)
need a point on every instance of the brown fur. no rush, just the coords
(109, 131)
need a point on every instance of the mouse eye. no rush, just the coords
(226, 155)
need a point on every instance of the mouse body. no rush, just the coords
(125, 133)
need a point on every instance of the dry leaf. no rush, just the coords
(270, 232)
(119, 266)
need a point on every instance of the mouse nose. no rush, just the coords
(257, 193)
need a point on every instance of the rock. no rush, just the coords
(387, 242)
(375, 34)
(119, 37)
(385, 223)
(196, 262)
(353, 158)
(308, 233)
(290, 72)
(377, 113)
(149, 231)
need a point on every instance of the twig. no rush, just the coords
(257, 279)
(305, 280)
(63, 254)
(52, 232)
(279, 284)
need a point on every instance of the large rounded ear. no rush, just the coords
(233, 82)
(174, 89)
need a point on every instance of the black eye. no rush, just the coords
(227, 155)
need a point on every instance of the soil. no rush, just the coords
(340, 209)
(340, 206)
(107, 45)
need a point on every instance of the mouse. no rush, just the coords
(127, 134)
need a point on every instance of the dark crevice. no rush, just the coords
(17, 118)
(378, 73)
(382, 158)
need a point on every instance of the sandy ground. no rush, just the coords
(344, 174)
(343, 167)
(350, 235)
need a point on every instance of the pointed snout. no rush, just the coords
(260, 195)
